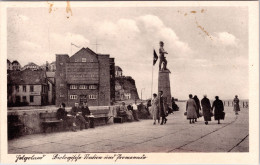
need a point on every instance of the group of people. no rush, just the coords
(193, 109)
(159, 108)
(134, 112)
(78, 116)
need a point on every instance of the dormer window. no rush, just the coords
(84, 59)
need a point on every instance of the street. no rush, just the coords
(232, 135)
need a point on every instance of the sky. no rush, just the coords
(207, 46)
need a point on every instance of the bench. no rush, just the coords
(101, 113)
(49, 120)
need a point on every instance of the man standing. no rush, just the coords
(76, 112)
(162, 107)
(162, 57)
(135, 112)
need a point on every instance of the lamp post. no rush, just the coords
(141, 93)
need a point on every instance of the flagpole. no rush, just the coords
(70, 48)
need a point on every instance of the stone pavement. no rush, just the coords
(232, 135)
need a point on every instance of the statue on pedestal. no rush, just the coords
(162, 58)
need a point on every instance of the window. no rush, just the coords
(18, 99)
(24, 88)
(61, 95)
(31, 99)
(92, 97)
(83, 87)
(61, 85)
(73, 97)
(61, 63)
(17, 88)
(73, 86)
(84, 60)
(24, 98)
(31, 88)
(92, 87)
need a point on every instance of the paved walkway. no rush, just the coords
(232, 135)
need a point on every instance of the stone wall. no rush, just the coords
(32, 122)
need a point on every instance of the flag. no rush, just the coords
(155, 57)
(74, 45)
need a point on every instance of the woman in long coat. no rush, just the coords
(197, 101)
(236, 105)
(205, 103)
(155, 108)
(219, 108)
(191, 109)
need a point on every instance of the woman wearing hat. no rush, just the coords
(205, 103)
(219, 109)
(191, 109)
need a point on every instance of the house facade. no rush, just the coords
(27, 88)
(85, 76)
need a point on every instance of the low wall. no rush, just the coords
(32, 122)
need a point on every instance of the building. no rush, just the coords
(52, 66)
(125, 88)
(85, 76)
(51, 87)
(27, 88)
(118, 71)
(16, 65)
(31, 66)
(112, 79)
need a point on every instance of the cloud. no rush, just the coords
(27, 45)
(62, 42)
(225, 39)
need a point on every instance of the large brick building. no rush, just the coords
(84, 76)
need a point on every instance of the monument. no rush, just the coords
(164, 78)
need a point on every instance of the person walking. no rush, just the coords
(162, 107)
(155, 109)
(191, 109)
(197, 101)
(219, 109)
(236, 105)
(205, 103)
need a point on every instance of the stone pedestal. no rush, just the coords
(164, 84)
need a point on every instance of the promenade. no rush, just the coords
(232, 135)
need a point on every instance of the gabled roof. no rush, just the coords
(27, 77)
(50, 74)
(31, 64)
(84, 52)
